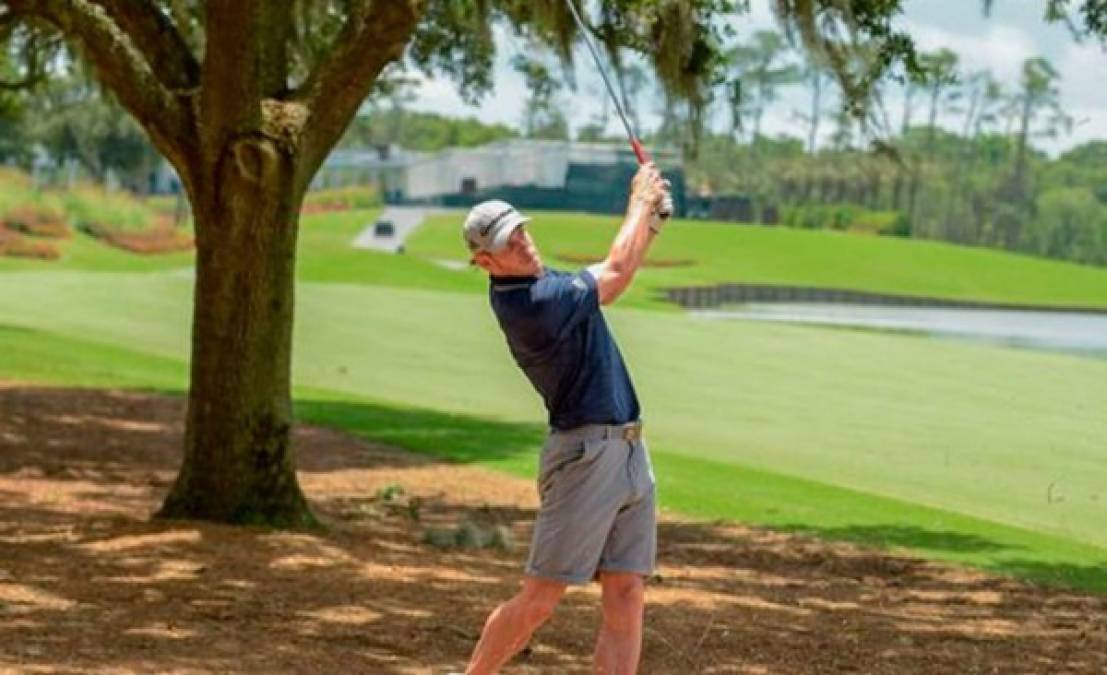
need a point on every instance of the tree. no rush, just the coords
(1039, 111)
(941, 76)
(246, 98)
(1039, 95)
(941, 68)
(814, 75)
(542, 111)
(71, 119)
(983, 94)
(1071, 224)
(12, 114)
(761, 69)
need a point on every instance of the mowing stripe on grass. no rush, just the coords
(1004, 435)
(687, 485)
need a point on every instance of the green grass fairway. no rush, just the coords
(738, 253)
(717, 253)
(976, 430)
(692, 486)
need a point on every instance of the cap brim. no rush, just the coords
(504, 232)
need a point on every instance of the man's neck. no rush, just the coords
(517, 276)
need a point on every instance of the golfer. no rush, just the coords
(597, 518)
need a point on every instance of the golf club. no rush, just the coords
(666, 209)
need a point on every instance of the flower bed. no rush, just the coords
(160, 238)
(15, 245)
(38, 220)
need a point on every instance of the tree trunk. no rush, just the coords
(238, 465)
(816, 112)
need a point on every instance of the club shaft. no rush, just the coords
(635, 144)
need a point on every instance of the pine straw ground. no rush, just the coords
(89, 585)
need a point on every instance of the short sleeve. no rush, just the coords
(566, 300)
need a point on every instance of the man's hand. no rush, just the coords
(649, 189)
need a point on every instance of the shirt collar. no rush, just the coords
(511, 281)
(515, 281)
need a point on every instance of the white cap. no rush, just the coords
(490, 224)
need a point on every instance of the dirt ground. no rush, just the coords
(89, 585)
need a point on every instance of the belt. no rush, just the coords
(630, 431)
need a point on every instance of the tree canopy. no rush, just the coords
(247, 97)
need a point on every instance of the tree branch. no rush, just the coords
(122, 69)
(155, 35)
(245, 63)
(373, 36)
(276, 19)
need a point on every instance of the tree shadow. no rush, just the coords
(1061, 575)
(1013, 560)
(453, 437)
(906, 536)
(107, 436)
(86, 583)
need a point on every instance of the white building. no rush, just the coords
(511, 163)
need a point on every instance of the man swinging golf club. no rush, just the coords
(597, 517)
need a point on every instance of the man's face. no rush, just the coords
(518, 259)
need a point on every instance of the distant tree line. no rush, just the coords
(952, 159)
(975, 178)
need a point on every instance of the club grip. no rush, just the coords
(665, 211)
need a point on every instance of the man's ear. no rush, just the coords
(483, 260)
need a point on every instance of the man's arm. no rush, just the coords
(641, 225)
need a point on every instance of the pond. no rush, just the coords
(1073, 332)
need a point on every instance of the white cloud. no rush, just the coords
(1002, 49)
(1083, 81)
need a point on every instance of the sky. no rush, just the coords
(1000, 43)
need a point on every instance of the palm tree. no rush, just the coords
(761, 68)
(984, 94)
(815, 75)
(1039, 95)
(941, 76)
(1039, 112)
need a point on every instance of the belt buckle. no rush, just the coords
(632, 432)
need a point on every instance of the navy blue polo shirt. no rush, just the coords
(558, 336)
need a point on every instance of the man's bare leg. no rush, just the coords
(510, 625)
(619, 643)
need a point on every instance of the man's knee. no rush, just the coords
(538, 599)
(624, 597)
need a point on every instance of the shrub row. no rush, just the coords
(845, 217)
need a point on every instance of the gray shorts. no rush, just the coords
(598, 506)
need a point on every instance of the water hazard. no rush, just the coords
(1073, 332)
